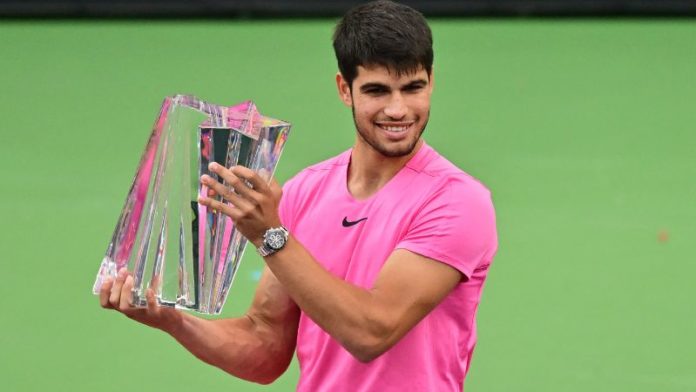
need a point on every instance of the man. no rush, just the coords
(375, 259)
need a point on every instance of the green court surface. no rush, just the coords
(585, 131)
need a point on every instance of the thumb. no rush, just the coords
(152, 306)
(276, 189)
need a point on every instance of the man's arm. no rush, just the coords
(367, 322)
(256, 347)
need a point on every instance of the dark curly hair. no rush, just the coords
(383, 33)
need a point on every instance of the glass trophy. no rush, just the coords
(187, 253)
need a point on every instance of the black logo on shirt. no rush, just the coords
(347, 223)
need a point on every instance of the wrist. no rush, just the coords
(174, 322)
(258, 240)
(274, 239)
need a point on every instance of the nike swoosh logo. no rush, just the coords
(347, 223)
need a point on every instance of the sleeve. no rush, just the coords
(456, 226)
(288, 202)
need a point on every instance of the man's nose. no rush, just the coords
(396, 108)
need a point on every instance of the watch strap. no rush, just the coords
(265, 250)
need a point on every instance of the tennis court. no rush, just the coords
(584, 130)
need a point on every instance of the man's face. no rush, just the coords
(390, 111)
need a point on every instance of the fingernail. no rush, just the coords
(212, 165)
(122, 272)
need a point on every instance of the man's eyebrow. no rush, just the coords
(373, 85)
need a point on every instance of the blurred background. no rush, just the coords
(580, 116)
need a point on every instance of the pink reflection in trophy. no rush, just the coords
(168, 241)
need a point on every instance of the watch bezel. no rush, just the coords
(282, 235)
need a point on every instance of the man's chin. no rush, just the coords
(397, 151)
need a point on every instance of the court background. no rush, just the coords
(583, 130)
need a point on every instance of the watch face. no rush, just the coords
(275, 239)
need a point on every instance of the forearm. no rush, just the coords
(257, 347)
(352, 315)
(239, 346)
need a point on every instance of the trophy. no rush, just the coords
(186, 252)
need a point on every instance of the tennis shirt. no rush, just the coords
(431, 208)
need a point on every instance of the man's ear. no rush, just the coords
(344, 90)
(431, 78)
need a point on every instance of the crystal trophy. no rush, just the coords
(187, 253)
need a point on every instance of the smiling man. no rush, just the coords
(375, 259)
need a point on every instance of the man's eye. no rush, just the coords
(413, 89)
(375, 91)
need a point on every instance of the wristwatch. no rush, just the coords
(274, 239)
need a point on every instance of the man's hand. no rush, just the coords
(257, 346)
(253, 203)
(117, 294)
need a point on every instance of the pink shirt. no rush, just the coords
(431, 208)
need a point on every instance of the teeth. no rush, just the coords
(394, 129)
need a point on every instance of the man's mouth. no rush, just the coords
(395, 127)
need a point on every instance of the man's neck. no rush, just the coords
(369, 170)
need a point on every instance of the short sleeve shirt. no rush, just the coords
(431, 208)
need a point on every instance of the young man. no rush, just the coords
(375, 259)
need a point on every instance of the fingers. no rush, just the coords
(152, 307)
(205, 190)
(227, 193)
(244, 180)
(115, 296)
(126, 294)
(257, 183)
(226, 209)
(252, 202)
(105, 293)
(236, 181)
(118, 294)
(276, 189)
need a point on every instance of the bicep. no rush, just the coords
(408, 287)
